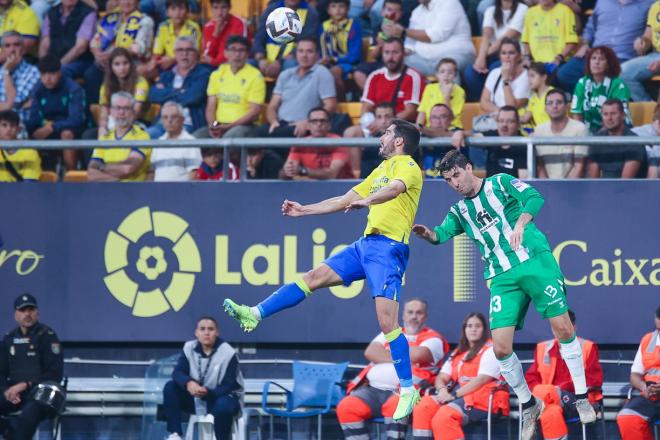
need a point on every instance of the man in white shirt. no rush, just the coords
(438, 29)
(652, 151)
(372, 393)
(174, 164)
(560, 161)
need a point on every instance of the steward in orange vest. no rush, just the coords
(634, 418)
(372, 393)
(472, 375)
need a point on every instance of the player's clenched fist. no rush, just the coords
(292, 209)
(425, 232)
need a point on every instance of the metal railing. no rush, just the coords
(246, 143)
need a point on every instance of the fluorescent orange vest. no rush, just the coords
(423, 374)
(463, 371)
(651, 356)
(547, 365)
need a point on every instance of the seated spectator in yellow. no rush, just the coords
(121, 164)
(341, 43)
(445, 91)
(16, 165)
(318, 163)
(122, 76)
(17, 16)
(57, 110)
(236, 94)
(535, 114)
(176, 25)
(126, 27)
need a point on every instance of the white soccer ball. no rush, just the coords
(283, 25)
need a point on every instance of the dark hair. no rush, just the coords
(387, 105)
(499, 15)
(557, 91)
(464, 345)
(571, 316)
(312, 40)
(509, 108)
(10, 116)
(394, 40)
(512, 42)
(409, 133)
(210, 151)
(343, 2)
(418, 299)
(222, 1)
(238, 39)
(539, 68)
(49, 64)
(170, 3)
(111, 82)
(453, 159)
(451, 112)
(318, 109)
(613, 65)
(447, 60)
(657, 311)
(207, 318)
(396, 2)
(616, 102)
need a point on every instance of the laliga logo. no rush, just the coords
(154, 242)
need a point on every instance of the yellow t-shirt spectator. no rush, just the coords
(548, 32)
(536, 105)
(118, 155)
(26, 162)
(393, 219)
(235, 92)
(20, 18)
(140, 94)
(654, 23)
(433, 95)
(166, 37)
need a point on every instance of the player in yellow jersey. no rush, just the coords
(391, 192)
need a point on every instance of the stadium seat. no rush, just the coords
(75, 176)
(95, 110)
(152, 113)
(470, 110)
(48, 176)
(352, 109)
(477, 42)
(315, 391)
(641, 112)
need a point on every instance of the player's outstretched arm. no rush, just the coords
(425, 233)
(328, 206)
(383, 195)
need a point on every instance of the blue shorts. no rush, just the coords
(381, 260)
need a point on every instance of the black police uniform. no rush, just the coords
(33, 358)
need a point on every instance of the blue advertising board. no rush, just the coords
(141, 262)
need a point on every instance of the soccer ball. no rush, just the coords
(283, 25)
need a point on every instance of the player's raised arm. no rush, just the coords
(383, 195)
(327, 206)
(449, 228)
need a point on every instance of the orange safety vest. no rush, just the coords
(651, 356)
(463, 371)
(547, 365)
(423, 374)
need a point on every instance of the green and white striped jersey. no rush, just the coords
(488, 219)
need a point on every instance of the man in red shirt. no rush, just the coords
(318, 163)
(550, 380)
(216, 31)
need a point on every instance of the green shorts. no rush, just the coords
(539, 280)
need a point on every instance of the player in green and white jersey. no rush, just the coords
(497, 213)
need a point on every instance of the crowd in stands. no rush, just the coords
(183, 69)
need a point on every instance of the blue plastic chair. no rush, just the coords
(315, 391)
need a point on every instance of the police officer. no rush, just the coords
(30, 354)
